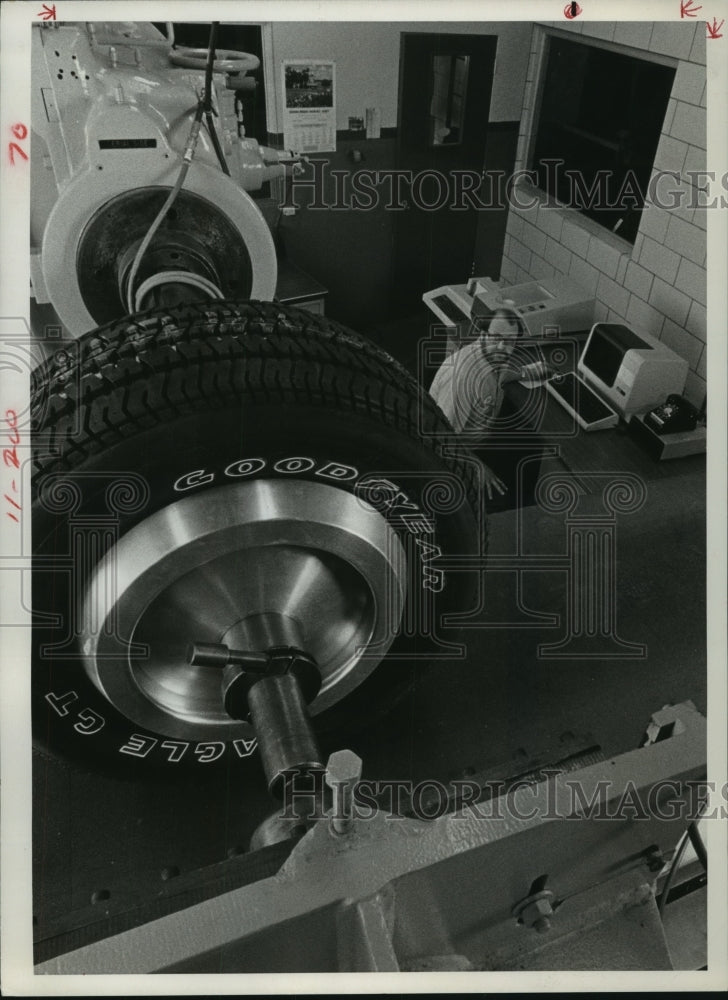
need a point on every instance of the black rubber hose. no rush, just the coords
(207, 97)
(209, 120)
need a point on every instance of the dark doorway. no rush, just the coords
(444, 100)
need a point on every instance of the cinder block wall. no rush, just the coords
(659, 284)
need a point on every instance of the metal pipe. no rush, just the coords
(286, 741)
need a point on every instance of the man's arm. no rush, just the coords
(533, 371)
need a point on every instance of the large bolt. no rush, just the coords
(538, 916)
(343, 771)
(535, 911)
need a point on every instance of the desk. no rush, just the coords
(296, 287)
(533, 436)
(591, 452)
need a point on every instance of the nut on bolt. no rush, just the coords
(535, 911)
(343, 771)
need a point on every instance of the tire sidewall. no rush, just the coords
(121, 485)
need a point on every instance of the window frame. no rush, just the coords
(540, 73)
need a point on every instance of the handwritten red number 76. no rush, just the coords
(20, 132)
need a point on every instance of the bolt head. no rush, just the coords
(537, 914)
(343, 767)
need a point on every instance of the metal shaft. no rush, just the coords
(286, 741)
(216, 654)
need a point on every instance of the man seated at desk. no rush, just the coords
(469, 389)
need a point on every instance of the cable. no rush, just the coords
(209, 65)
(204, 104)
(209, 121)
(180, 277)
(151, 232)
(212, 131)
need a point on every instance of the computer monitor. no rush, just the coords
(633, 372)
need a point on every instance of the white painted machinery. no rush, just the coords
(136, 200)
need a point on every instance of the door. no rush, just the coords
(444, 100)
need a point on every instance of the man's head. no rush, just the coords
(498, 337)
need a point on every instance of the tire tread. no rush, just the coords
(135, 373)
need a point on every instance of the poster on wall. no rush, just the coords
(309, 105)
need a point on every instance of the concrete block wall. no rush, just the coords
(659, 284)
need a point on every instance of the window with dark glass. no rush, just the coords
(598, 128)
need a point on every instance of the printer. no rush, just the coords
(547, 308)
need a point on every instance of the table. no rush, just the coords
(297, 288)
(590, 452)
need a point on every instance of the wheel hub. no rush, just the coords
(251, 565)
(196, 253)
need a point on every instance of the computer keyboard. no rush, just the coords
(588, 409)
(451, 309)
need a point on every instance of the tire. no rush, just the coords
(197, 458)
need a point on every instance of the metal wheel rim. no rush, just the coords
(211, 568)
(106, 249)
(91, 190)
